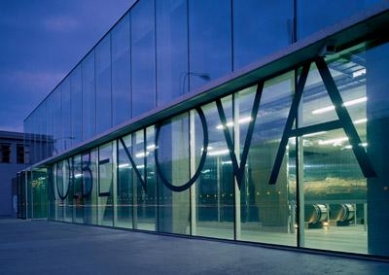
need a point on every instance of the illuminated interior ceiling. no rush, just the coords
(349, 73)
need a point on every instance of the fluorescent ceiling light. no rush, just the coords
(346, 104)
(360, 121)
(124, 165)
(315, 134)
(355, 101)
(219, 152)
(323, 110)
(334, 141)
(359, 73)
(151, 147)
(243, 120)
(364, 144)
(142, 154)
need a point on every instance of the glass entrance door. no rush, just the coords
(331, 207)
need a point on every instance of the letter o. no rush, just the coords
(189, 183)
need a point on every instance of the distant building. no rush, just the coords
(14, 156)
(258, 121)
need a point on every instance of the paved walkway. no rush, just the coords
(41, 247)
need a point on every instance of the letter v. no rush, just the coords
(239, 169)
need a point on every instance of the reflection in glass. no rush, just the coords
(174, 170)
(257, 36)
(331, 12)
(172, 49)
(90, 186)
(78, 199)
(209, 32)
(266, 209)
(89, 96)
(76, 108)
(332, 194)
(103, 85)
(215, 194)
(143, 58)
(121, 72)
(105, 186)
(125, 182)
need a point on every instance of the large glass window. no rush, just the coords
(57, 121)
(266, 209)
(210, 54)
(121, 71)
(76, 105)
(39, 193)
(174, 171)
(260, 28)
(330, 13)
(299, 159)
(5, 153)
(90, 186)
(125, 182)
(215, 195)
(105, 185)
(65, 139)
(89, 96)
(172, 49)
(143, 57)
(103, 85)
(78, 198)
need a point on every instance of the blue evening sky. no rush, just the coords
(41, 41)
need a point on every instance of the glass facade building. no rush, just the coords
(250, 121)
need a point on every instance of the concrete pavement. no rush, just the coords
(42, 247)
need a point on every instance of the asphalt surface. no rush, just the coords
(42, 247)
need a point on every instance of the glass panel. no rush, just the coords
(58, 178)
(89, 97)
(121, 71)
(39, 193)
(78, 190)
(103, 85)
(147, 201)
(267, 25)
(65, 139)
(125, 193)
(76, 107)
(266, 210)
(210, 41)
(105, 187)
(140, 154)
(333, 195)
(333, 189)
(57, 121)
(143, 57)
(172, 49)
(331, 12)
(316, 101)
(52, 195)
(51, 109)
(45, 141)
(215, 188)
(173, 161)
(90, 186)
(64, 190)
